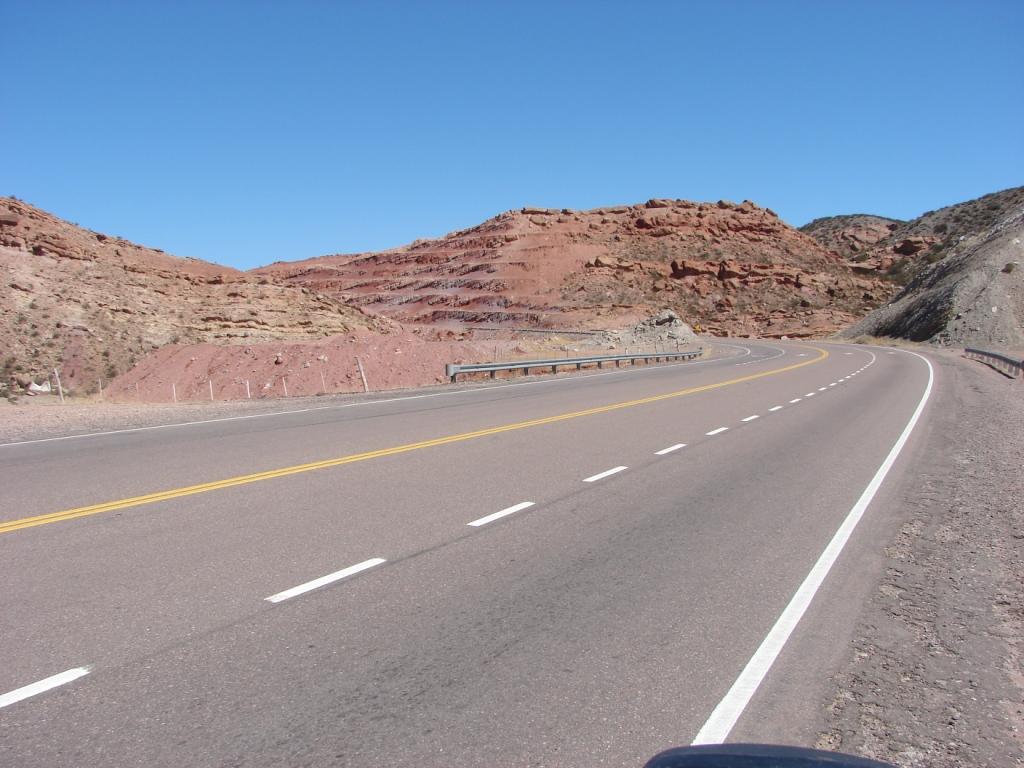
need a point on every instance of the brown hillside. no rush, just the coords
(912, 245)
(92, 304)
(973, 295)
(851, 235)
(734, 269)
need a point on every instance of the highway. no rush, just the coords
(578, 570)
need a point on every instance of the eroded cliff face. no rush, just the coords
(733, 269)
(93, 305)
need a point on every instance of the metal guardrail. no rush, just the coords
(1003, 363)
(451, 370)
(545, 331)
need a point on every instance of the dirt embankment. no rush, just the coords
(935, 677)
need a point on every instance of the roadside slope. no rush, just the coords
(93, 304)
(973, 296)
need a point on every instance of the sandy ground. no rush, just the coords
(935, 676)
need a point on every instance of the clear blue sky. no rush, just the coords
(246, 132)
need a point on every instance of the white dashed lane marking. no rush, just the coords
(671, 448)
(46, 684)
(500, 514)
(323, 581)
(603, 475)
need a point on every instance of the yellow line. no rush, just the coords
(174, 493)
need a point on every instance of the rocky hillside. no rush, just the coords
(851, 235)
(973, 294)
(93, 304)
(729, 269)
(907, 246)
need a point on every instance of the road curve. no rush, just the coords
(566, 572)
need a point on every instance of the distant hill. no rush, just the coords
(734, 269)
(908, 245)
(853, 234)
(970, 288)
(93, 304)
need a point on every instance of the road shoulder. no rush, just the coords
(934, 676)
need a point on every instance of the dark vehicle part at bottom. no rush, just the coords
(757, 756)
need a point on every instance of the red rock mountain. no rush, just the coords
(731, 269)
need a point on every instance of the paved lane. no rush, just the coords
(593, 627)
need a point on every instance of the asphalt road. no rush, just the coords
(657, 522)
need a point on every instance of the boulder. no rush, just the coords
(729, 270)
(911, 245)
(666, 317)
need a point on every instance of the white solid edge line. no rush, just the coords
(751, 418)
(501, 513)
(362, 403)
(718, 431)
(671, 448)
(602, 475)
(41, 686)
(775, 408)
(724, 717)
(325, 580)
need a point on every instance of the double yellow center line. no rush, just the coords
(216, 485)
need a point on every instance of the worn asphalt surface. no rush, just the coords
(594, 628)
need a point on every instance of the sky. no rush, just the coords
(249, 132)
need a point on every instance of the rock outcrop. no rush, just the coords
(93, 304)
(972, 296)
(734, 269)
(897, 250)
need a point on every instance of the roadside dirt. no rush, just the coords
(935, 675)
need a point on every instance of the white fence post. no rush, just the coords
(362, 375)
(60, 389)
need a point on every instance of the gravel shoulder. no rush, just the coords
(935, 673)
